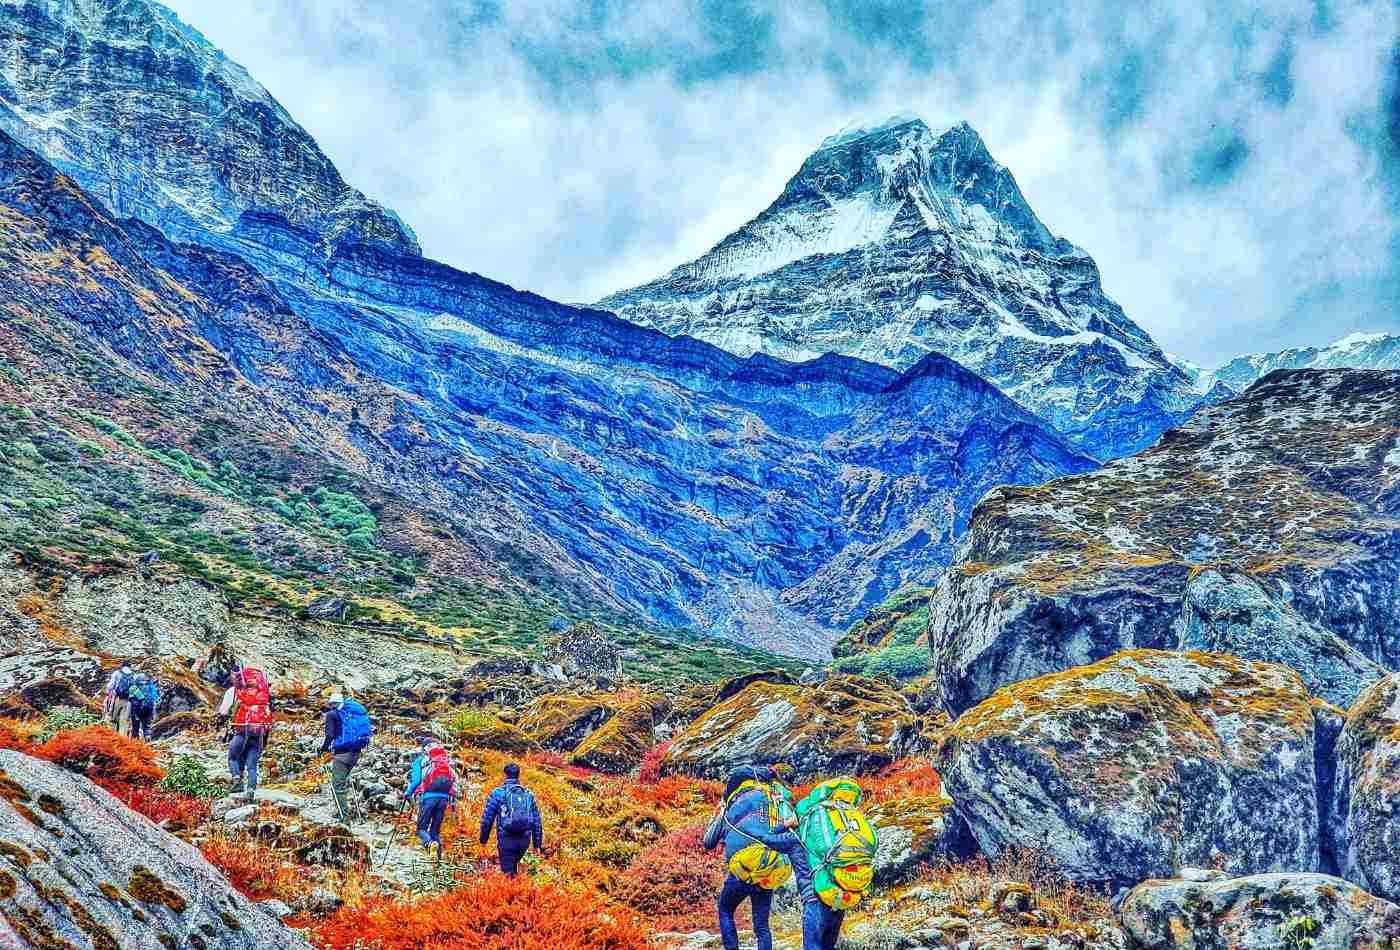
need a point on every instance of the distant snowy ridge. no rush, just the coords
(1355, 351)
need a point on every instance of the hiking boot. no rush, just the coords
(235, 790)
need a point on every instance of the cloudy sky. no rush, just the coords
(1235, 171)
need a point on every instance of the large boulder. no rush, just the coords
(847, 724)
(621, 743)
(585, 652)
(1258, 912)
(79, 869)
(560, 721)
(1366, 797)
(1227, 612)
(1136, 765)
(916, 832)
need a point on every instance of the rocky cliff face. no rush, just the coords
(1295, 484)
(159, 125)
(763, 501)
(897, 241)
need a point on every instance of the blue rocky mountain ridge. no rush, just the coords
(158, 124)
(752, 499)
(1267, 526)
(893, 242)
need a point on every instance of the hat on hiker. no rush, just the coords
(337, 696)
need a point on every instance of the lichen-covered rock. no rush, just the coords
(486, 731)
(584, 651)
(914, 832)
(1296, 483)
(560, 721)
(77, 868)
(1232, 613)
(1365, 828)
(625, 738)
(1140, 764)
(847, 724)
(1258, 912)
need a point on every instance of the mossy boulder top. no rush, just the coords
(1366, 832)
(1133, 766)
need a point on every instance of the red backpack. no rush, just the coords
(254, 713)
(439, 767)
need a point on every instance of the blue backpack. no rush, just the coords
(355, 727)
(518, 810)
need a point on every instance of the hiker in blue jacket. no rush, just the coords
(511, 810)
(347, 734)
(821, 926)
(743, 820)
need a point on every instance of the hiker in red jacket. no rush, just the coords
(248, 702)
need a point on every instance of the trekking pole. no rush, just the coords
(393, 832)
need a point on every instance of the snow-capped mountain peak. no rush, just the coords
(894, 241)
(1355, 351)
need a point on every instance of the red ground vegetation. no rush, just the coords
(103, 756)
(674, 882)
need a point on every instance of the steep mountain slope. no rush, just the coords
(158, 124)
(1268, 523)
(749, 498)
(1358, 351)
(893, 242)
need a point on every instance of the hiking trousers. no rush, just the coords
(821, 926)
(120, 716)
(731, 895)
(342, 763)
(141, 722)
(509, 850)
(431, 811)
(243, 754)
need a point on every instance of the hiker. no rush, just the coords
(116, 704)
(755, 803)
(144, 694)
(348, 731)
(248, 705)
(434, 782)
(832, 849)
(512, 810)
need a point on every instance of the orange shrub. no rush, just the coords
(676, 791)
(649, 772)
(674, 882)
(103, 756)
(907, 778)
(493, 912)
(252, 868)
(17, 735)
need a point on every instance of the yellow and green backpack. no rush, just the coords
(756, 863)
(840, 842)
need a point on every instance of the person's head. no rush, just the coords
(337, 696)
(126, 667)
(512, 771)
(426, 742)
(140, 677)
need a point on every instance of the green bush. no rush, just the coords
(188, 775)
(62, 719)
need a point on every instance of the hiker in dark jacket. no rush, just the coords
(512, 811)
(743, 820)
(348, 732)
(821, 926)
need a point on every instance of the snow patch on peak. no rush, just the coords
(854, 132)
(1358, 339)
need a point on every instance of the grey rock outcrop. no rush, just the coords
(78, 866)
(1366, 799)
(1143, 763)
(1258, 912)
(1234, 614)
(1295, 484)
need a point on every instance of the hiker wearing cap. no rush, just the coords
(433, 781)
(348, 731)
(755, 803)
(247, 705)
(512, 811)
(116, 702)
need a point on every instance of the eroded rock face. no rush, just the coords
(1140, 764)
(561, 721)
(1234, 614)
(1366, 797)
(1295, 484)
(914, 832)
(625, 738)
(109, 877)
(1258, 912)
(847, 724)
